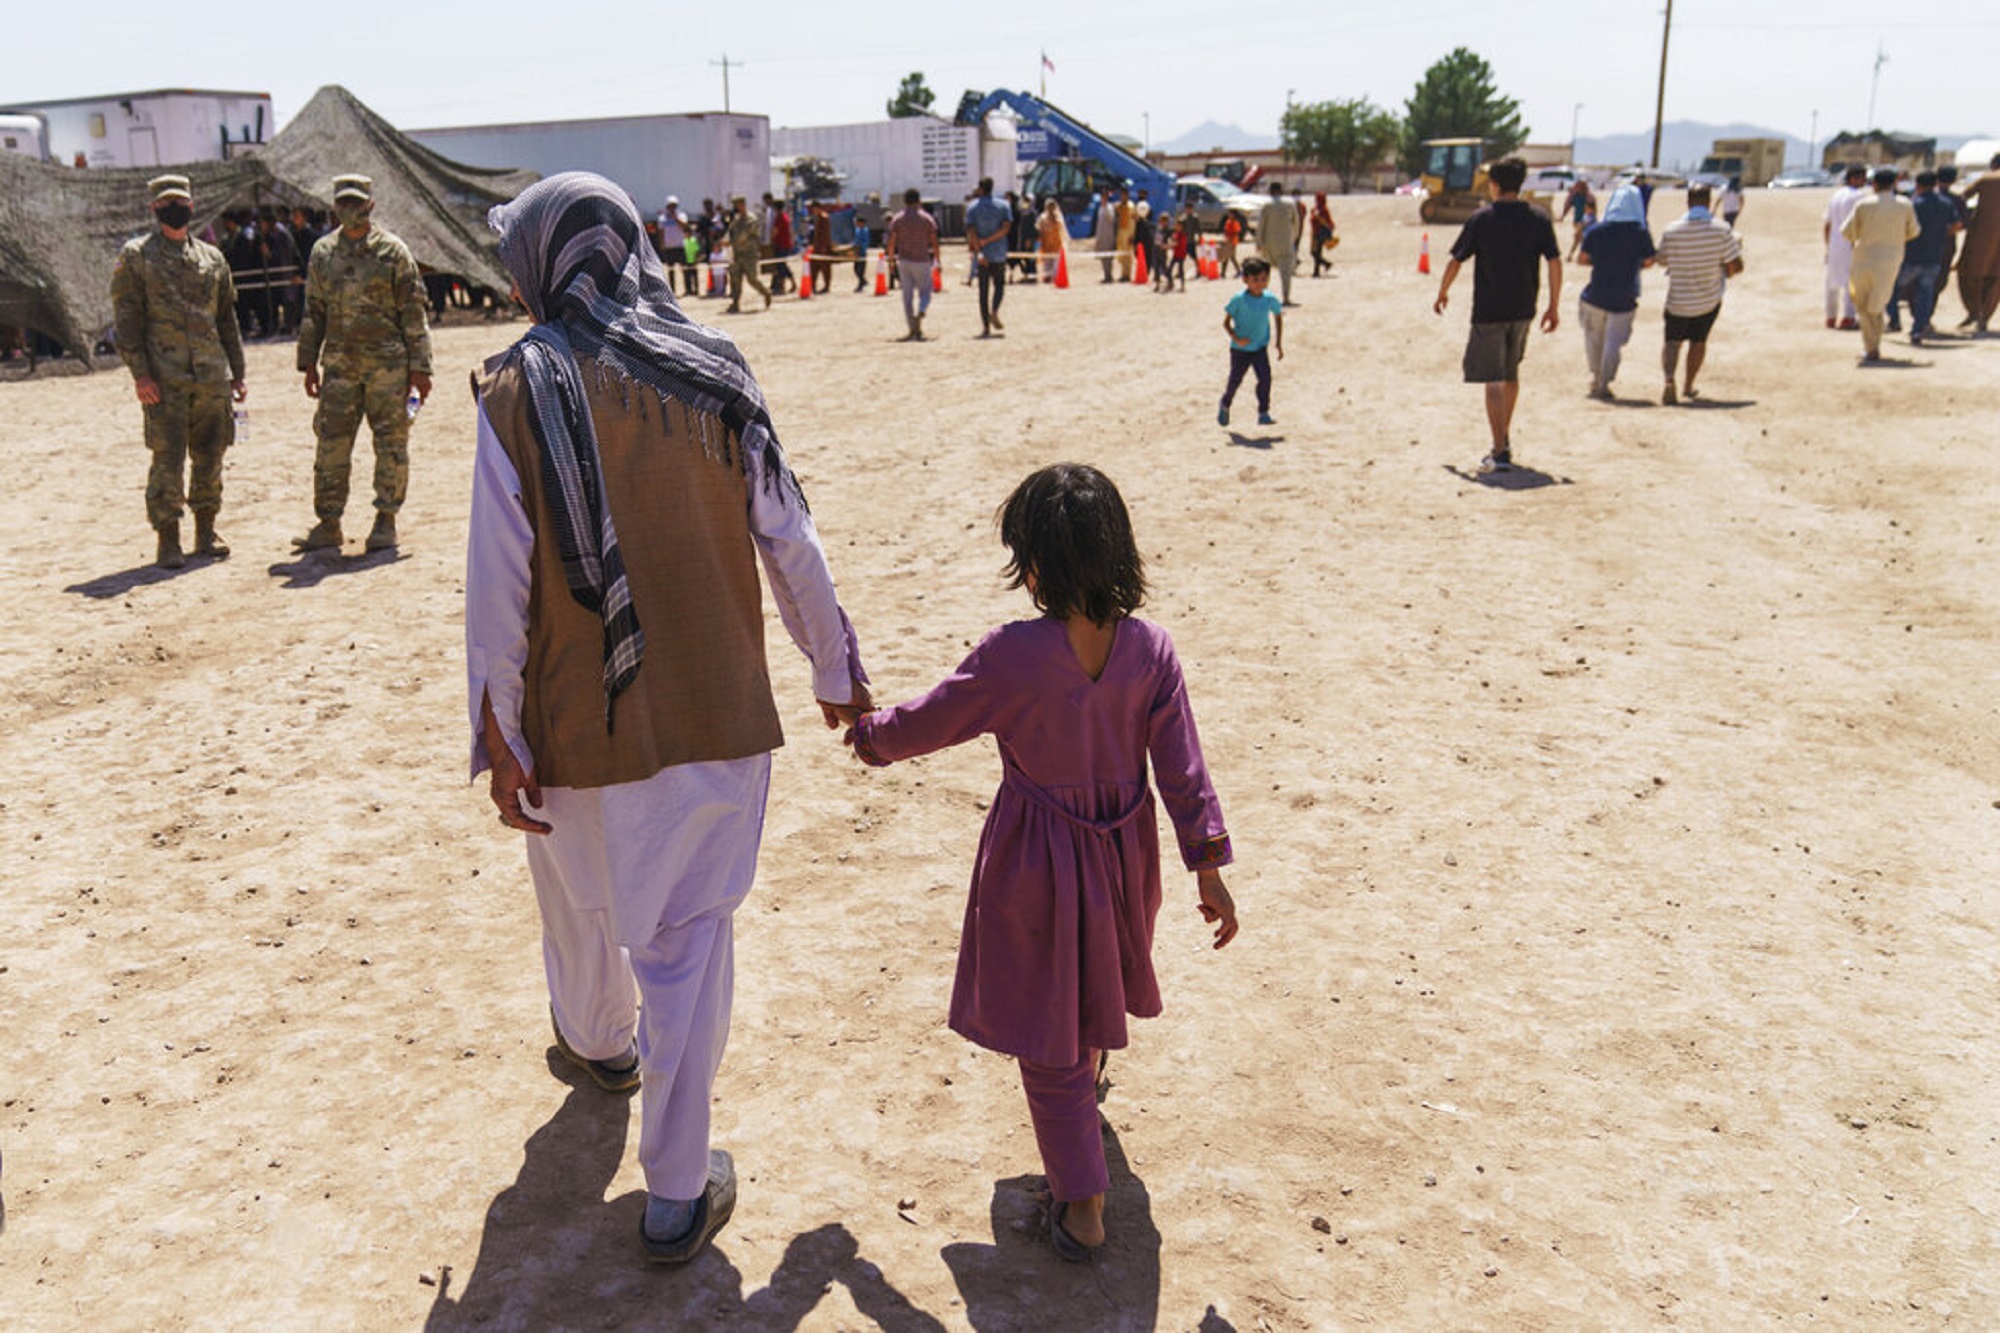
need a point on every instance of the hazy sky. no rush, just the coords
(1159, 67)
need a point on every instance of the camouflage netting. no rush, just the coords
(61, 229)
(436, 205)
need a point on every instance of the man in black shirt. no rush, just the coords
(1506, 237)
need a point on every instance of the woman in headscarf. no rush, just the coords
(1614, 250)
(1324, 233)
(626, 480)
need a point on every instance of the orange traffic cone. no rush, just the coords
(806, 273)
(881, 274)
(1062, 270)
(1424, 255)
(1139, 264)
(937, 277)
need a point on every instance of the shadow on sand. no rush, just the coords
(1515, 478)
(555, 1253)
(1238, 440)
(139, 576)
(310, 569)
(1018, 1282)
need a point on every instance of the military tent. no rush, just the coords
(61, 228)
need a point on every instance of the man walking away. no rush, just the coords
(1923, 258)
(913, 245)
(1278, 230)
(1839, 251)
(1879, 228)
(1699, 252)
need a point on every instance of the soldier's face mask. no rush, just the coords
(175, 213)
(353, 212)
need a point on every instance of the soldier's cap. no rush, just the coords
(352, 187)
(169, 187)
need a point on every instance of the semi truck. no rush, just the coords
(1753, 161)
(696, 156)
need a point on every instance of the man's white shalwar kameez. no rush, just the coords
(649, 871)
(1840, 251)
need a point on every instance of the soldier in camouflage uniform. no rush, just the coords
(745, 249)
(366, 323)
(176, 330)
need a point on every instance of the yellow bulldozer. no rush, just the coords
(1454, 180)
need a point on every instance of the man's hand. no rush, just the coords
(1437, 306)
(238, 390)
(510, 781)
(1217, 905)
(1550, 319)
(847, 714)
(147, 388)
(312, 382)
(422, 384)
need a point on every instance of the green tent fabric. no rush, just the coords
(436, 205)
(61, 228)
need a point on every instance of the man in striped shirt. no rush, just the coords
(1698, 252)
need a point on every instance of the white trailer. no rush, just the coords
(153, 129)
(883, 158)
(696, 156)
(25, 135)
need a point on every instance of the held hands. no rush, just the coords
(847, 714)
(1217, 905)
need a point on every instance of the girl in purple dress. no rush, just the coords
(1058, 937)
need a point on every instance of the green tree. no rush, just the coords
(1349, 137)
(1456, 99)
(913, 97)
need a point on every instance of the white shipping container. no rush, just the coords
(887, 157)
(701, 155)
(154, 129)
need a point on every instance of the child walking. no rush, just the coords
(1248, 319)
(1056, 948)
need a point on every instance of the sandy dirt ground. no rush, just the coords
(1617, 850)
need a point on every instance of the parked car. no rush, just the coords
(1551, 180)
(1213, 198)
(1714, 180)
(1800, 178)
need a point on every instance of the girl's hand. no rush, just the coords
(1217, 905)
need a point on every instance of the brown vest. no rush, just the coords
(703, 691)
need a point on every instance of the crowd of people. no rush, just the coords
(1882, 251)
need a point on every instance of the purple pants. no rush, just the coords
(1062, 1101)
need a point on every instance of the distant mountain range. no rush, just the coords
(1211, 134)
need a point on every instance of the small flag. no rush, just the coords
(1047, 63)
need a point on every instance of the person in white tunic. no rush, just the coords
(1840, 311)
(627, 481)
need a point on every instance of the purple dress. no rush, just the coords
(1058, 939)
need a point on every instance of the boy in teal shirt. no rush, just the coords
(1249, 319)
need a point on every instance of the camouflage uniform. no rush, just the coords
(367, 329)
(745, 249)
(176, 325)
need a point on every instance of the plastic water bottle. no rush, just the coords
(241, 413)
(414, 404)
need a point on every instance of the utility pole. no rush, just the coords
(1881, 59)
(726, 62)
(1660, 102)
(1812, 141)
(1575, 114)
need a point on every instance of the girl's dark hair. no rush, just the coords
(1067, 525)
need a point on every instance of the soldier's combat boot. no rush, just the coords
(207, 541)
(170, 556)
(325, 533)
(382, 536)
